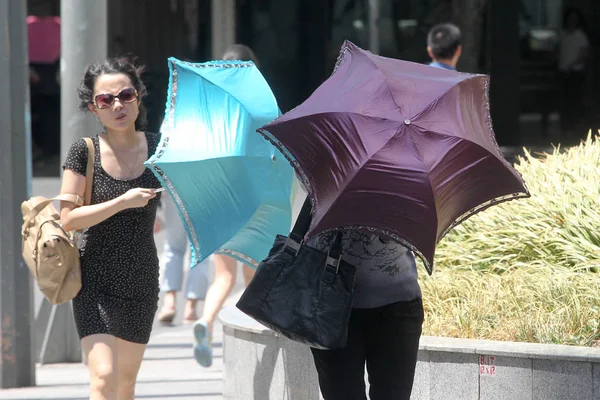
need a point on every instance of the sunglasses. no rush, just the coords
(106, 100)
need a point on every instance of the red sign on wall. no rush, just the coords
(487, 365)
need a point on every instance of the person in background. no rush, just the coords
(444, 46)
(572, 56)
(44, 92)
(175, 247)
(225, 266)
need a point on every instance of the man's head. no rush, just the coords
(443, 44)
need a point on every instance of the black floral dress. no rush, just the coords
(119, 262)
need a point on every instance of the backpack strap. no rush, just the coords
(89, 171)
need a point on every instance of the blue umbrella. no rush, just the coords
(232, 188)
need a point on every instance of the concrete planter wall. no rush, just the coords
(261, 365)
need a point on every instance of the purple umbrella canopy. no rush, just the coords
(400, 149)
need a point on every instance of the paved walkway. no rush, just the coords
(168, 372)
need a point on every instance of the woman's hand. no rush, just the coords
(74, 218)
(138, 197)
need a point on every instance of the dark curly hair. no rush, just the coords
(117, 65)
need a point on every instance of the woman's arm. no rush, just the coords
(75, 218)
(584, 50)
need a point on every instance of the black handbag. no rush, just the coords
(301, 292)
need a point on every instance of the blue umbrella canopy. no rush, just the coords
(232, 188)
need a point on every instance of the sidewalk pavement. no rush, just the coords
(168, 371)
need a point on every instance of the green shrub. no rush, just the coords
(526, 270)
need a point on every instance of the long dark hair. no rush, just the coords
(579, 14)
(117, 65)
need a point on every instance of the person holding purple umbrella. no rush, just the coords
(444, 46)
(385, 323)
(388, 158)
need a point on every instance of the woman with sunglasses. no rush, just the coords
(115, 308)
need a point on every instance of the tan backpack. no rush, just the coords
(50, 252)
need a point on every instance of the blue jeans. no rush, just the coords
(176, 245)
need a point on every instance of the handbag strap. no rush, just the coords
(71, 198)
(89, 175)
(89, 171)
(336, 248)
(303, 222)
(301, 228)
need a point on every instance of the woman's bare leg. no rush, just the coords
(129, 360)
(101, 356)
(248, 274)
(225, 275)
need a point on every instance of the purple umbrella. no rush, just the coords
(400, 149)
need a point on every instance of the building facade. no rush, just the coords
(297, 41)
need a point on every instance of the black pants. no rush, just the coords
(387, 340)
(572, 111)
(45, 124)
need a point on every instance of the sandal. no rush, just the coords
(203, 344)
(166, 316)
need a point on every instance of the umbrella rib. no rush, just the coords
(367, 159)
(417, 115)
(188, 67)
(385, 78)
(477, 209)
(448, 135)
(229, 93)
(348, 181)
(428, 177)
(488, 118)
